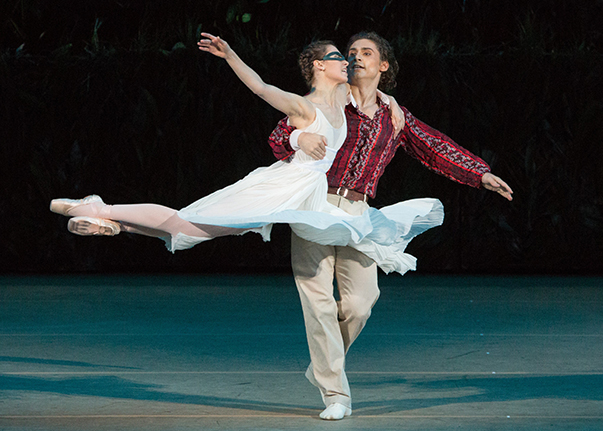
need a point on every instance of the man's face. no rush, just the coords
(365, 61)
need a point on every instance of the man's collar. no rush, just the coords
(382, 97)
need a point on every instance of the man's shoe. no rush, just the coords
(335, 412)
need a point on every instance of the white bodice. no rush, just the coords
(335, 138)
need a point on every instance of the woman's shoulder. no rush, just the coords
(307, 114)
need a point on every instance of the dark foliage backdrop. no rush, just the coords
(113, 98)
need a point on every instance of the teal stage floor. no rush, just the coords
(228, 353)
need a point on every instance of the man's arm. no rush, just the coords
(395, 112)
(281, 139)
(440, 153)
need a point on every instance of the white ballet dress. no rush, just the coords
(295, 192)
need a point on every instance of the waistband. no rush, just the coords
(348, 194)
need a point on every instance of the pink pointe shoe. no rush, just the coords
(87, 226)
(64, 206)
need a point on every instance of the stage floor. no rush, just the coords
(228, 353)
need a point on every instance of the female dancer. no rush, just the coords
(291, 192)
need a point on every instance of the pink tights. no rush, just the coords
(151, 220)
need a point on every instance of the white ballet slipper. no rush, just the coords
(335, 412)
(64, 206)
(86, 226)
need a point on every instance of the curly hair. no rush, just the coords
(386, 53)
(315, 51)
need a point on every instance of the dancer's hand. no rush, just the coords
(215, 45)
(313, 144)
(495, 184)
(397, 115)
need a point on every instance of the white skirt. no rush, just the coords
(287, 193)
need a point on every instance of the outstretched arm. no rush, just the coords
(441, 154)
(298, 109)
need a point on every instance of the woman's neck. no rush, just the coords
(323, 93)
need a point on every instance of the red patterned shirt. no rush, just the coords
(370, 146)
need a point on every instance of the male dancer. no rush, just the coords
(332, 326)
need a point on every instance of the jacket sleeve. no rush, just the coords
(279, 140)
(439, 153)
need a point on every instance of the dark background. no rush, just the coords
(113, 98)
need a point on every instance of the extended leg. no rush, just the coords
(146, 219)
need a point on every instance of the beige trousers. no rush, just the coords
(332, 326)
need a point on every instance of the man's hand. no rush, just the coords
(313, 145)
(495, 184)
(397, 115)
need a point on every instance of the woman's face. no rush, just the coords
(334, 65)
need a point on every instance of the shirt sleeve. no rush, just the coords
(439, 153)
(279, 140)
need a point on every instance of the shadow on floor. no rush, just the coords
(480, 390)
(116, 387)
(476, 390)
(61, 363)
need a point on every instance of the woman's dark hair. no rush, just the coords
(314, 51)
(386, 53)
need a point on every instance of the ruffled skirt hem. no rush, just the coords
(382, 234)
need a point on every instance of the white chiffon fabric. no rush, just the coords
(295, 192)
